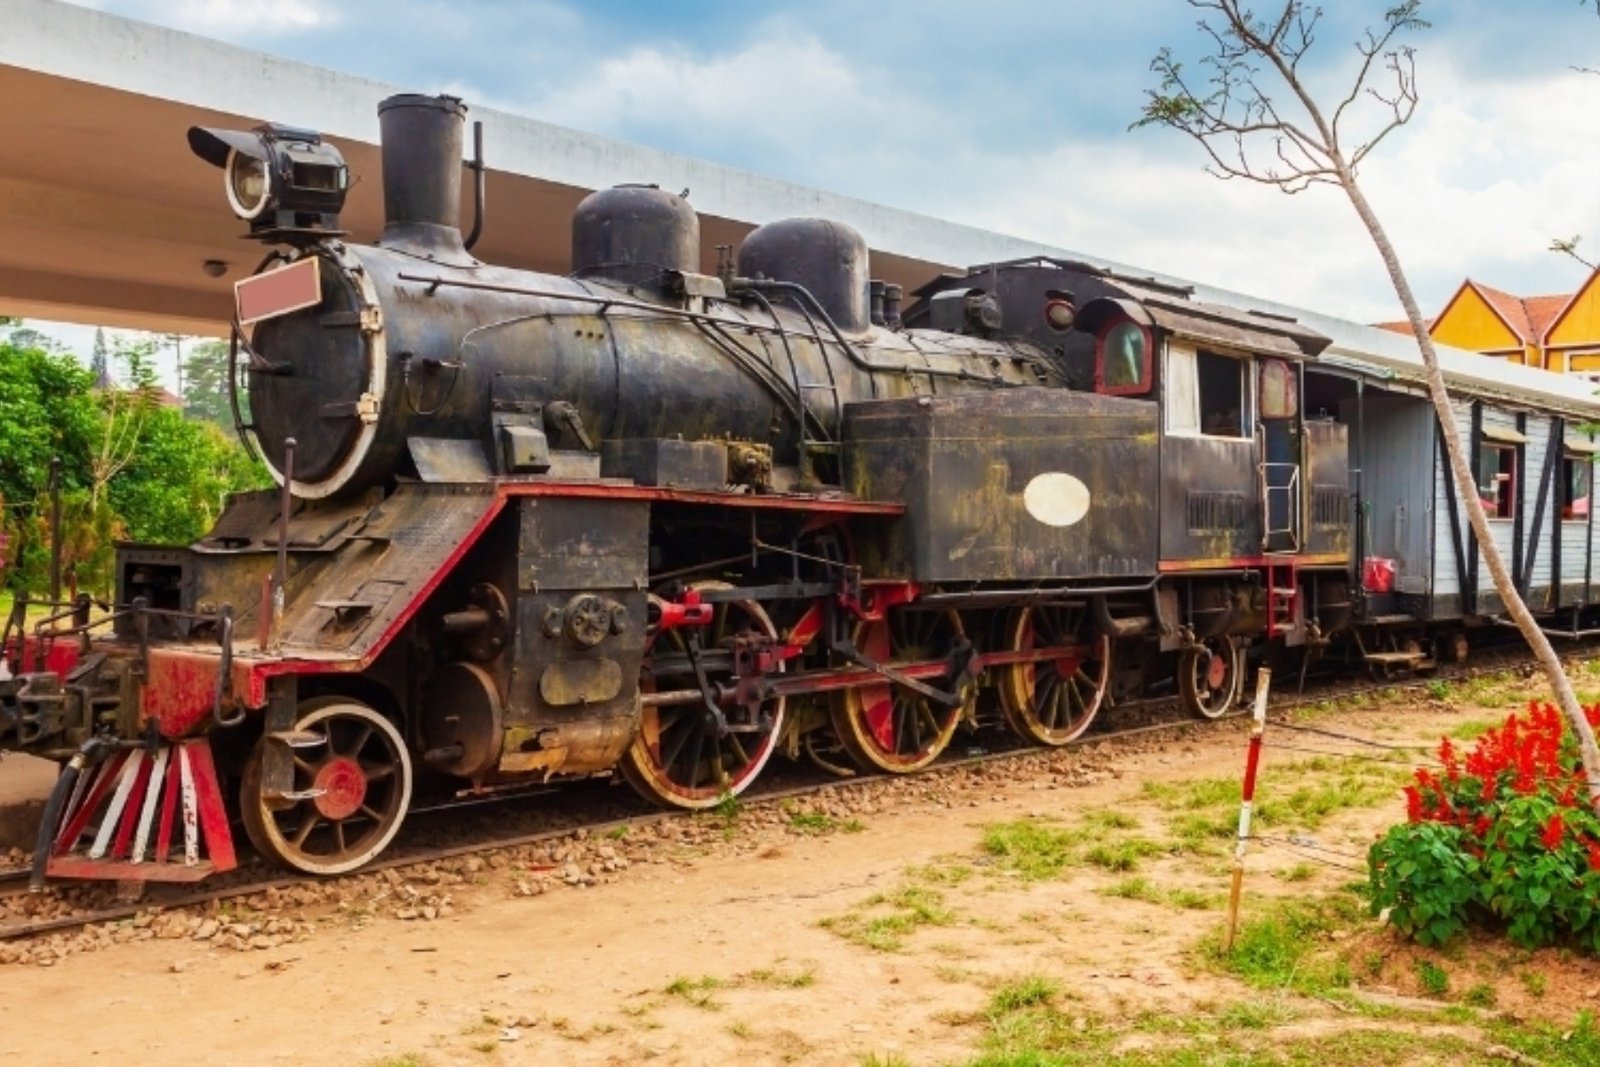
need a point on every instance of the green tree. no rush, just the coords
(46, 410)
(205, 385)
(131, 467)
(100, 358)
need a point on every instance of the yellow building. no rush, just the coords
(1560, 332)
(1572, 340)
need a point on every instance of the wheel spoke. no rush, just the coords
(361, 740)
(373, 774)
(682, 728)
(308, 823)
(692, 777)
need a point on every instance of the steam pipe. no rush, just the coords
(478, 186)
(91, 751)
(280, 573)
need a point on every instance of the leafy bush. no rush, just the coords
(1503, 838)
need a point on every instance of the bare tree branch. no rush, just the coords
(1569, 246)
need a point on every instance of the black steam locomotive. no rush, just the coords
(645, 520)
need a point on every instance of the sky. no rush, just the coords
(1015, 116)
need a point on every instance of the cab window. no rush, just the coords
(1122, 358)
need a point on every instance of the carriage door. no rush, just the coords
(1282, 514)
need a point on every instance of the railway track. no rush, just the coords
(572, 806)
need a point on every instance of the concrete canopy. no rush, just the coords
(109, 219)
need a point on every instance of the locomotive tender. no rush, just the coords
(646, 521)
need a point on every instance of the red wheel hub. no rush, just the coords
(343, 786)
(1217, 671)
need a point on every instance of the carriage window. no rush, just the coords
(1279, 399)
(1122, 358)
(1577, 479)
(1221, 383)
(1497, 480)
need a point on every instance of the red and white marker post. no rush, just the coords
(1252, 762)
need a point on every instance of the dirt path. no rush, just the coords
(872, 929)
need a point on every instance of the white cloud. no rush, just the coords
(1480, 181)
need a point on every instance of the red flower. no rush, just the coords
(1413, 804)
(1447, 756)
(1594, 852)
(1554, 831)
(1481, 827)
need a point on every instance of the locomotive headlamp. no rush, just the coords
(248, 184)
(1059, 311)
(285, 182)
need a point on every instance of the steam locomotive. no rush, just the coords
(644, 521)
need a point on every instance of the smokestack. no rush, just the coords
(421, 138)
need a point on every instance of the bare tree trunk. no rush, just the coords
(1566, 696)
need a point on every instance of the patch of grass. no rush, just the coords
(908, 910)
(1135, 888)
(1208, 793)
(1300, 872)
(1241, 1035)
(892, 1059)
(1019, 993)
(1534, 982)
(786, 979)
(1484, 689)
(1435, 981)
(1123, 854)
(1308, 805)
(696, 991)
(404, 1059)
(812, 822)
(741, 1030)
(1261, 1014)
(1281, 949)
(941, 873)
(1472, 729)
(1031, 851)
(1188, 899)
(946, 972)
(1109, 819)
(617, 833)
(1575, 1046)
(1481, 995)
(486, 1047)
(1204, 832)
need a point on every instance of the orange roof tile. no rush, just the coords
(1399, 326)
(1542, 310)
